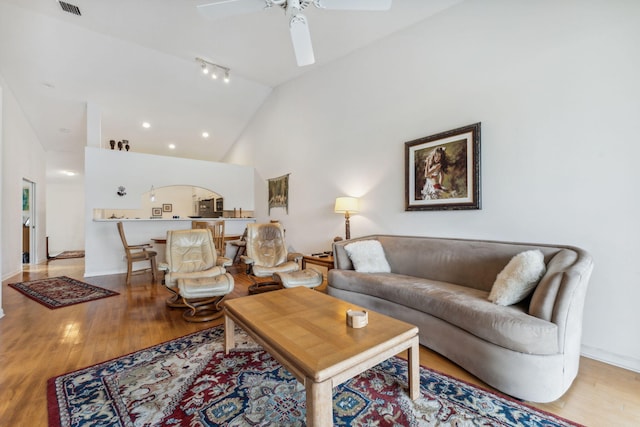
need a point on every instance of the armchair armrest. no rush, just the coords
(224, 261)
(142, 247)
(294, 256)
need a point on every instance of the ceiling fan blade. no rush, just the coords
(355, 4)
(301, 39)
(221, 9)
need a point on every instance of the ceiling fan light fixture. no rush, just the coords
(227, 79)
(298, 26)
(205, 69)
(301, 39)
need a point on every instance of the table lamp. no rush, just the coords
(347, 205)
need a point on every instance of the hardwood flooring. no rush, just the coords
(37, 343)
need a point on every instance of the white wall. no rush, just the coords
(1, 180)
(65, 216)
(22, 157)
(106, 170)
(555, 85)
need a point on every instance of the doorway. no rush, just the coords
(28, 222)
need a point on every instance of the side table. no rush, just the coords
(324, 262)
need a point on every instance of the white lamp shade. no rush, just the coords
(346, 204)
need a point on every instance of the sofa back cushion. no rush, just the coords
(470, 263)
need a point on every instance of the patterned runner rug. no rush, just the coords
(68, 255)
(56, 292)
(189, 381)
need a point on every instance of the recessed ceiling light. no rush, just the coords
(68, 173)
(205, 134)
(146, 125)
(172, 146)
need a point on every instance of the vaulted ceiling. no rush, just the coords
(135, 61)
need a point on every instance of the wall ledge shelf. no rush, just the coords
(170, 219)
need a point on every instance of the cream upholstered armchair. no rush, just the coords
(195, 274)
(266, 254)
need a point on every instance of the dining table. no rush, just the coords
(163, 241)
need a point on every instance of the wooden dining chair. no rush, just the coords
(137, 253)
(199, 224)
(241, 246)
(217, 229)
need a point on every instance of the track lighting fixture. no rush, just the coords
(214, 69)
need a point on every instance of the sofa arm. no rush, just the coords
(559, 297)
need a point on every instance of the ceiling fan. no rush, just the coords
(298, 26)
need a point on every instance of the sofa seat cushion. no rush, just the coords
(467, 308)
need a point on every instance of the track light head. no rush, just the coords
(215, 69)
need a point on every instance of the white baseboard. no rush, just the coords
(103, 273)
(626, 362)
(8, 275)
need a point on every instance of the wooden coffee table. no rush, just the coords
(306, 332)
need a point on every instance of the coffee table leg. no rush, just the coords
(319, 403)
(414, 370)
(229, 334)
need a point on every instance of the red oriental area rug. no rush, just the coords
(190, 381)
(57, 292)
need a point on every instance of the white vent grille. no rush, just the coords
(71, 8)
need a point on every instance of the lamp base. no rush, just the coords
(347, 228)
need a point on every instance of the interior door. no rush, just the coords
(29, 240)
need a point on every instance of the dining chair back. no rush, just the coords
(137, 253)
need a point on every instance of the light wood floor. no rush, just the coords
(37, 343)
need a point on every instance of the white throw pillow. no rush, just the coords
(518, 278)
(367, 256)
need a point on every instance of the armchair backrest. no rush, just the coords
(266, 245)
(190, 250)
(217, 229)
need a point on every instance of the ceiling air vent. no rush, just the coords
(71, 8)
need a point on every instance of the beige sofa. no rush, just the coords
(530, 350)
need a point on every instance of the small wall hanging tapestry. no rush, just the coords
(279, 193)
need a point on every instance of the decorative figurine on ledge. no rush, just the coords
(121, 191)
(112, 143)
